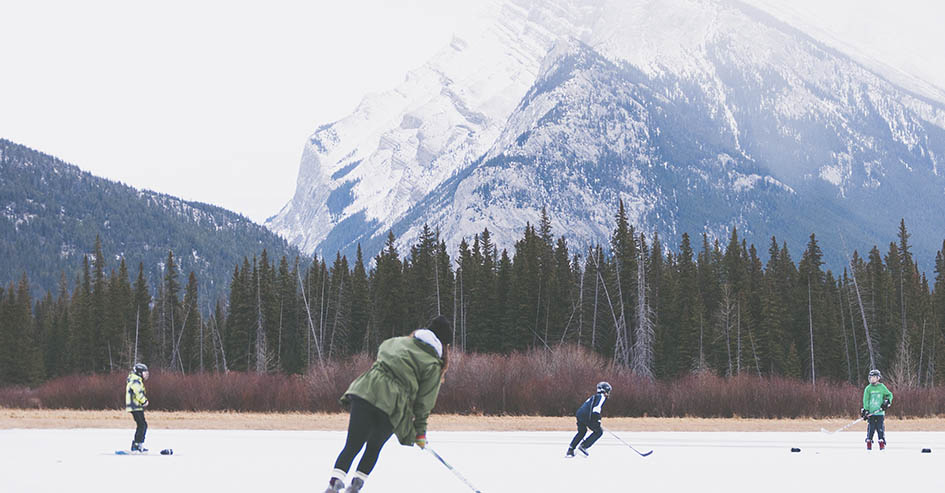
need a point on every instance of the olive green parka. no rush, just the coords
(403, 383)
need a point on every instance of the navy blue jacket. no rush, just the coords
(589, 412)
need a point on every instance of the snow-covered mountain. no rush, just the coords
(699, 114)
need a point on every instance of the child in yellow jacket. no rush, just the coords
(135, 401)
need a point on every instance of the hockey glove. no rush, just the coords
(421, 441)
(864, 413)
(885, 404)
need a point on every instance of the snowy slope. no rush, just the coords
(364, 171)
(700, 114)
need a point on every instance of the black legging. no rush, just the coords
(582, 430)
(369, 425)
(142, 426)
(877, 424)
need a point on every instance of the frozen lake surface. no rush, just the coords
(83, 460)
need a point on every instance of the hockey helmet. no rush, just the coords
(875, 373)
(604, 388)
(140, 368)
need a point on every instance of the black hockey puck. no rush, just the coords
(926, 451)
(167, 451)
(795, 449)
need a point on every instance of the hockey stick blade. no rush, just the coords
(452, 470)
(642, 454)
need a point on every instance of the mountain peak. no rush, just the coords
(700, 115)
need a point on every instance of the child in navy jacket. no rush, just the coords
(588, 416)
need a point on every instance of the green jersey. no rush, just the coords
(873, 397)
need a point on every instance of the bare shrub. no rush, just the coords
(83, 392)
(234, 391)
(538, 382)
(326, 384)
(19, 398)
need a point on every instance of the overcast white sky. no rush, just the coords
(212, 100)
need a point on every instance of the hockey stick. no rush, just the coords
(454, 471)
(643, 454)
(857, 420)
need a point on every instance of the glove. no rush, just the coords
(885, 404)
(421, 441)
(864, 413)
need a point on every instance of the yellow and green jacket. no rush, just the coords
(135, 397)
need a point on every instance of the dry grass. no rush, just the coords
(65, 418)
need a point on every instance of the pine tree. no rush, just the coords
(290, 341)
(811, 289)
(103, 335)
(83, 334)
(480, 277)
(192, 352)
(56, 342)
(772, 335)
(360, 306)
(623, 242)
(143, 338)
(22, 360)
(339, 309)
(421, 276)
(8, 340)
(168, 313)
(690, 318)
(239, 319)
(387, 293)
(937, 358)
(120, 319)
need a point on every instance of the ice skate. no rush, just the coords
(869, 445)
(355, 486)
(138, 448)
(569, 454)
(583, 450)
(335, 485)
(882, 444)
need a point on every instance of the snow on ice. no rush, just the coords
(83, 460)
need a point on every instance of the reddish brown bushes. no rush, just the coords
(550, 383)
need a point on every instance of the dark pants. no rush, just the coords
(877, 424)
(369, 426)
(142, 426)
(582, 430)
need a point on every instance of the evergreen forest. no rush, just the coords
(701, 307)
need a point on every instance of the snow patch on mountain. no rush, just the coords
(699, 114)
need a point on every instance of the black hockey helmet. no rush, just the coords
(875, 373)
(140, 368)
(604, 388)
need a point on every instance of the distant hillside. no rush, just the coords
(51, 212)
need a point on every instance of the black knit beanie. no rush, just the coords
(441, 327)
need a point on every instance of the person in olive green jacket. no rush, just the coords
(876, 399)
(135, 402)
(395, 396)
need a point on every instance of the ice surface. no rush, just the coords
(78, 461)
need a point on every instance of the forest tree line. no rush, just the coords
(705, 307)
